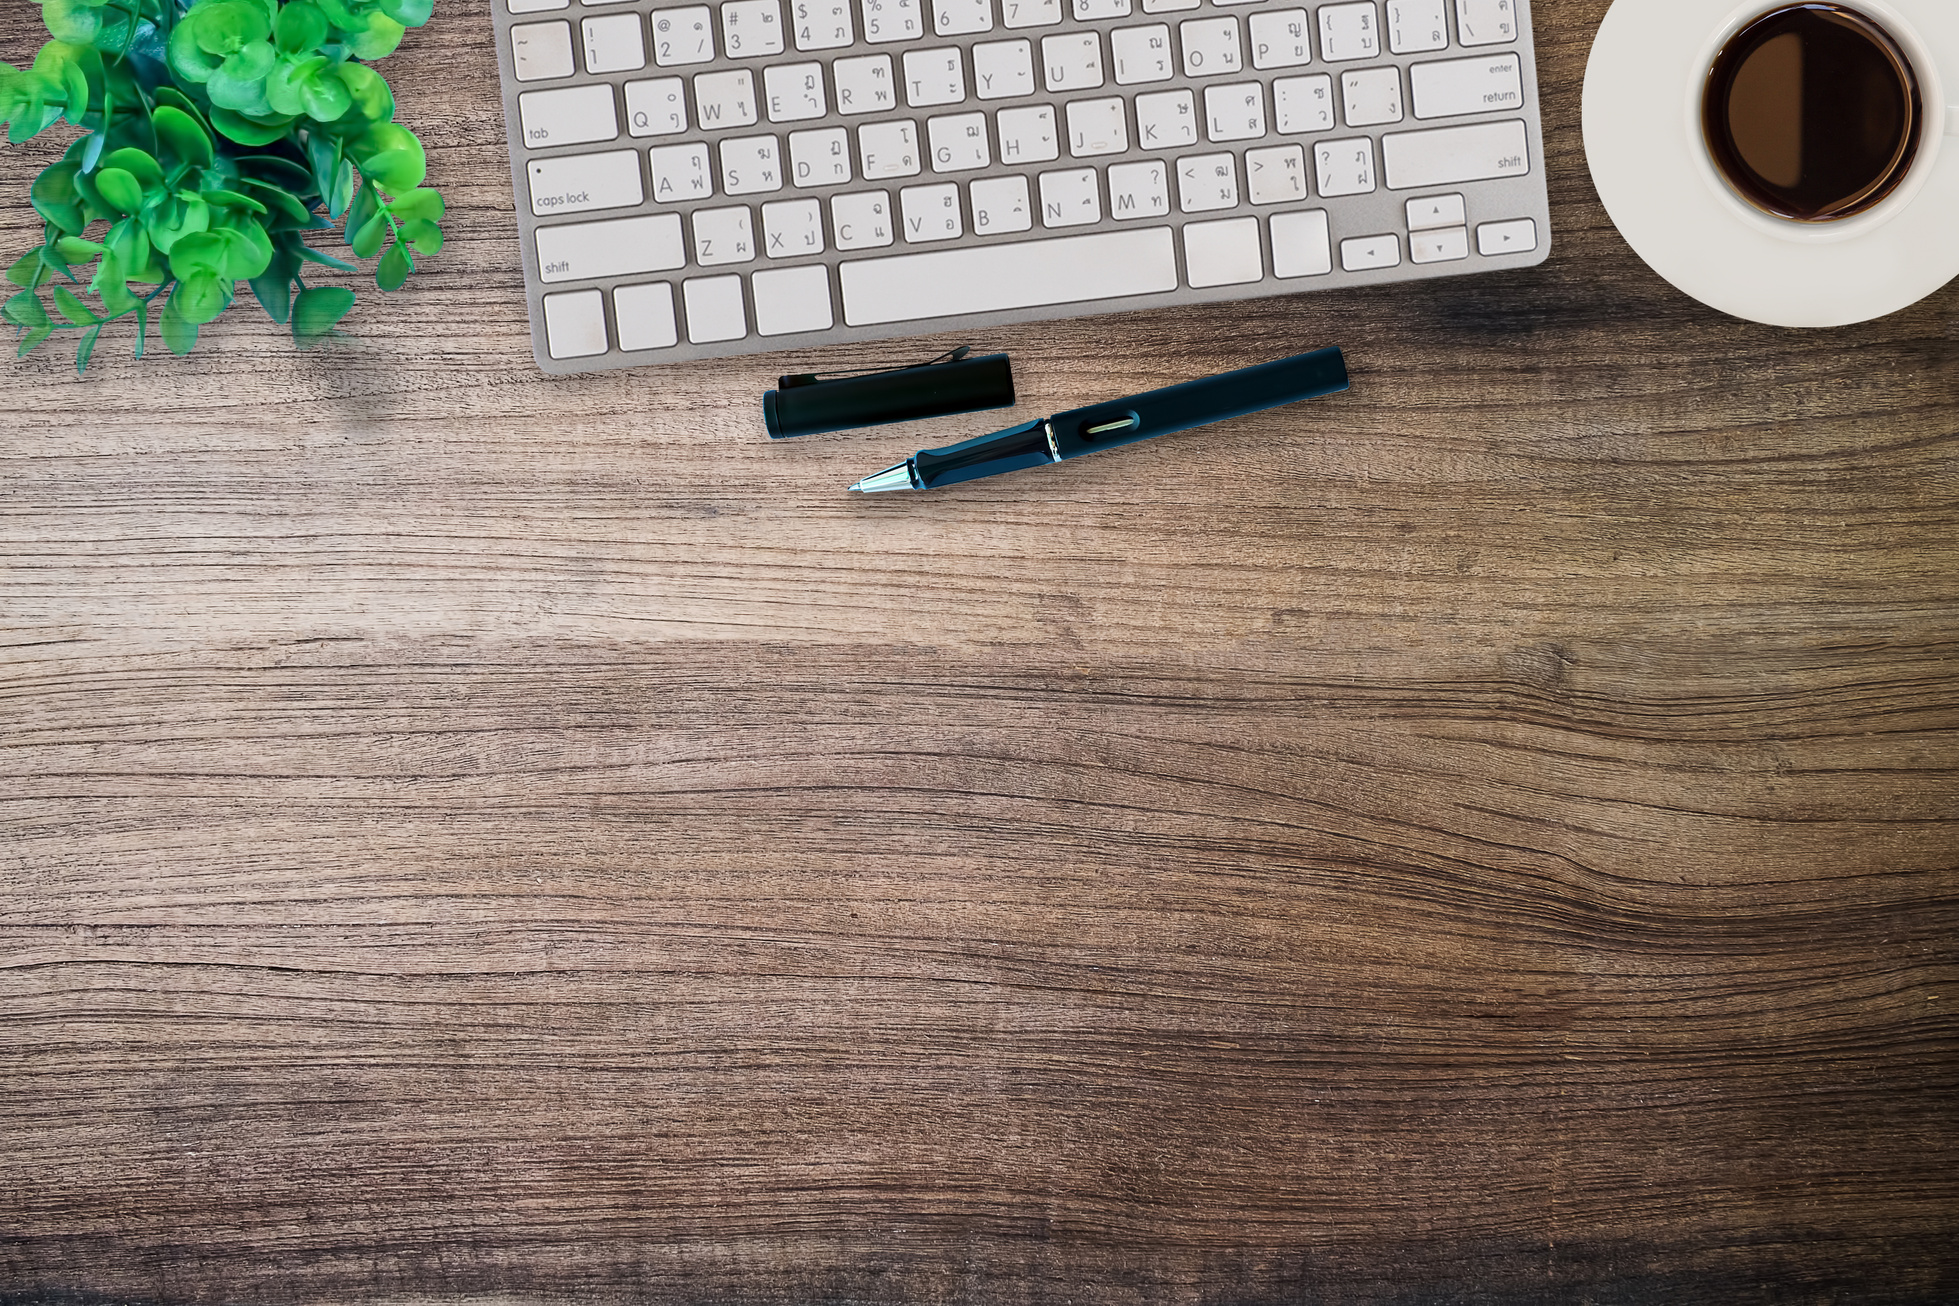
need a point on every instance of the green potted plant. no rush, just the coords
(216, 135)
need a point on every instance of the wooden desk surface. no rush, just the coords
(1489, 837)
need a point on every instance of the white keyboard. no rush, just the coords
(700, 180)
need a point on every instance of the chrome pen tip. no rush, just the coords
(895, 477)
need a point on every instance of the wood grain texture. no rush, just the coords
(1489, 837)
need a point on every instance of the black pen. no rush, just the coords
(1120, 421)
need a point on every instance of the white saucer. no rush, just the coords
(1643, 142)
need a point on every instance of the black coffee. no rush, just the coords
(1812, 112)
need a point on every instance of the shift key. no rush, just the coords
(617, 247)
(1448, 155)
(579, 183)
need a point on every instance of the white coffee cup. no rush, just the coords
(1646, 88)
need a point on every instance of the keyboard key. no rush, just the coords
(864, 84)
(1235, 112)
(892, 20)
(714, 309)
(541, 51)
(1457, 86)
(535, 6)
(1349, 32)
(645, 317)
(1030, 13)
(1028, 135)
(889, 149)
(680, 173)
(750, 165)
(792, 228)
(1303, 104)
(1207, 182)
(1002, 69)
(580, 183)
(930, 213)
(723, 236)
(1070, 198)
(934, 77)
(1444, 246)
(1087, 11)
(1166, 120)
(1142, 54)
(1435, 211)
(575, 115)
(1139, 190)
(725, 99)
(1279, 39)
(682, 36)
(1299, 245)
(823, 24)
(751, 28)
(656, 108)
(862, 221)
(1371, 97)
(958, 142)
(574, 324)
(1210, 46)
(1000, 206)
(1223, 253)
(1366, 253)
(794, 91)
(820, 157)
(1275, 175)
(1344, 167)
(1097, 127)
(1169, 6)
(617, 247)
(1448, 155)
(788, 300)
(1518, 237)
(962, 17)
(614, 44)
(1072, 61)
(993, 278)
(1485, 22)
(1417, 25)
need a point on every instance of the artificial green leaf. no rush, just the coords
(182, 136)
(224, 27)
(231, 199)
(74, 82)
(423, 236)
(371, 97)
(72, 307)
(95, 141)
(392, 272)
(30, 270)
(187, 58)
(171, 97)
(366, 203)
(397, 170)
(301, 28)
(248, 251)
(55, 197)
(129, 244)
(120, 189)
(280, 200)
(113, 287)
(77, 250)
(285, 85)
(317, 309)
(200, 253)
(367, 242)
(86, 349)
(312, 255)
(139, 164)
(199, 298)
(183, 215)
(262, 129)
(25, 310)
(239, 83)
(142, 327)
(278, 171)
(274, 286)
(417, 205)
(32, 340)
(343, 189)
(377, 40)
(409, 13)
(179, 334)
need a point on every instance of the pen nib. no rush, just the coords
(895, 477)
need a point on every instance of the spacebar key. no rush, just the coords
(989, 278)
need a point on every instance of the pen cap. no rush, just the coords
(808, 406)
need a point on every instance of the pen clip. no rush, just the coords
(811, 378)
